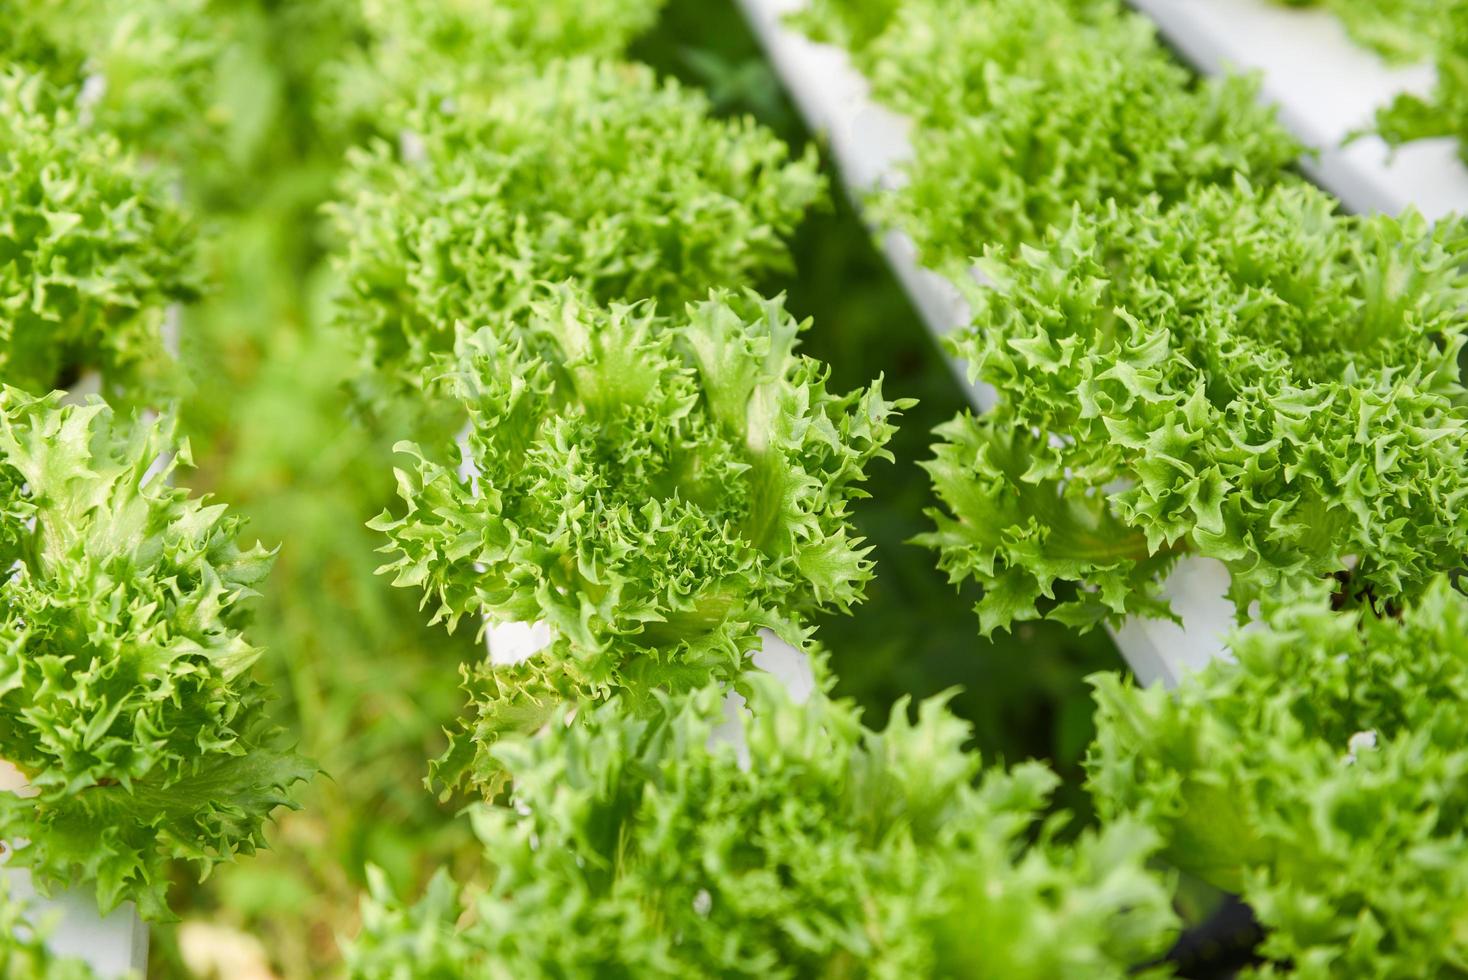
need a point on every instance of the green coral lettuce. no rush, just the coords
(849, 24)
(125, 691)
(92, 250)
(1027, 108)
(143, 70)
(417, 51)
(230, 94)
(588, 170)
(1445, 113)
(656, 492)
(1323, 775)
(656, 847)
(1252, 377)
(220, 88)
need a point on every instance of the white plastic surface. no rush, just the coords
(89, 384)
(788, 665)
(1161, 650)
(1327, 87)
(515, 643)
(869, 142)
(115, 946)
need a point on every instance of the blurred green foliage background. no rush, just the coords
(362, 682)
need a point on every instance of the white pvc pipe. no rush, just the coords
(1326, 87)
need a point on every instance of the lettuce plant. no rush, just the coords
(1398, 30)
(126, 699)
(655, 492)
(426, 50)
(221, 88)
(849, 24)
(1445, 113)
(145, 70)
(1249, 376)
(1324, 775)
(231, 94)
(91, 248)
(652, 847)
(1026, 109)
(149, 69)
(587, 170)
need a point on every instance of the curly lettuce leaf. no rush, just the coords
(652, 847)
(1324, 776)
(1248, 376)
(125, 691)
(92, 250)
(656, 492)
(586, 170)
(1030, 538)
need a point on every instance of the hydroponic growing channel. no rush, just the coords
(642, 591)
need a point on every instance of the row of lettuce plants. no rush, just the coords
(129, 709)
(130, 713)
(654, 476)
(1197, 353)
(551, 255)
(656, 485)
